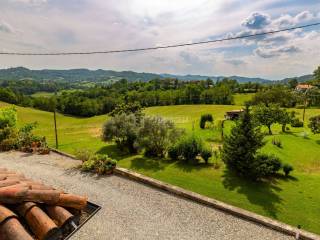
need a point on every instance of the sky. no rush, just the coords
(86, 25)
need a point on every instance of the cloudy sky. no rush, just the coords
(84, 25)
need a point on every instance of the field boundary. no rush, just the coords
(235, 211)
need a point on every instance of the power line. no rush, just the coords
(160, 47)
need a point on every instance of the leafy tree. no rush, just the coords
(314, 124)
(276, 95)
(292, 83)
(316, 74)
(268, 115)
(123, 129)
(156, 135)
(129, 108)
(240, 147)
(285, 117)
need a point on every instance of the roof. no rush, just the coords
(28, 204)
(304, 86)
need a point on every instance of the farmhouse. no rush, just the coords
(303, 87)
(234, 114)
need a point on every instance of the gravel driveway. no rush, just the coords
(134, 211)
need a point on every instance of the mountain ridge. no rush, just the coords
(83, 74)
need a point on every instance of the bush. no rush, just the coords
(205, 118)
(188, 148)
(314, 124)
(123, 129)
(206, 154)
(101, 164)
(174, 152)
(277, 142)
(296, 123)
(83, 154)
(156, 135)
(287, 168)
(265, 166)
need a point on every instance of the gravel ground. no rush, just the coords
(131, 210)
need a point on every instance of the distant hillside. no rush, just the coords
(303, 78)
(80, 75)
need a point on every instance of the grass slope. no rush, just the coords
(293, 200)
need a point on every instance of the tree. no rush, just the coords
(292, 83)
(316, 74)
(123, 129)
(285, 117)
(314, 124)
(240, 147)
(276, 95)
(268, 115)
(156, 135)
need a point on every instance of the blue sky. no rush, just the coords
(83, 25)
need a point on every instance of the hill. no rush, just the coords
(80, 75)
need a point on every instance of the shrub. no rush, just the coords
(123, 129)
(8, 128)
(206, 154)
(277, 142)
(205, 118)
(265, 166)
(156, 135)
(173, 152)
(83, 154)
(100, 164)
(296, 123)
(287, 168)
(314, 124)
(188, 148)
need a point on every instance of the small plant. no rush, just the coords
(217, 156)
(83, 154)
(314, 124)
(287, 168)
(204, 119)
(277, 142)
(173, 152)
(206, 154)
(101, 164)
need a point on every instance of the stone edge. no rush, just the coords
(244, 214)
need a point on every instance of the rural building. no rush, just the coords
(303, 87)
(232, 115)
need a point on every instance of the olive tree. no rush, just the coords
(156, 135)
(123, 129)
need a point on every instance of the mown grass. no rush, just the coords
(294, 200)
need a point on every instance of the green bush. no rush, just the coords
(156, 135)
(296, 123)
(123, 129)
(314, 124)
(205, 118)
(188, 148)
(206, 154)
(287, 168)
(83, 154)
(265, 166)
(174, 152)
(100, 164)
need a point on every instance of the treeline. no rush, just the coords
(98, 100)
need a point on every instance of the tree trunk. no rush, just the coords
(270, 132)
(283, 127)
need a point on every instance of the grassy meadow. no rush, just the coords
(294, 200)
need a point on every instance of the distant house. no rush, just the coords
(232, 115)
(303, 87)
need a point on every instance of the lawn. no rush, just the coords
(293, 200)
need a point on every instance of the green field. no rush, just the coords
(42, 94)
(293, 200)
